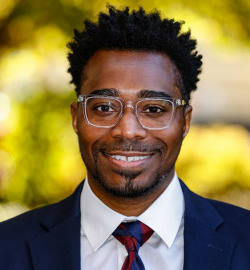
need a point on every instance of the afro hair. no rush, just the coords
(136, 31)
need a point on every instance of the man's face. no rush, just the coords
(128, 161)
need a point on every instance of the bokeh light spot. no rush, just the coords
(20, 29)
(4, 106)
(6, 7)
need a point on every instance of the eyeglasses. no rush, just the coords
(152, 113)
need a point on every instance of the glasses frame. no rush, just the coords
(176, 102)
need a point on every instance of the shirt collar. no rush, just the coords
(170, 204)
(98, 221)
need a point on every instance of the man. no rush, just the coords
(133, 73)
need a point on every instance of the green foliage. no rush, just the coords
(216, 159)
(44, 148)
(215, 162)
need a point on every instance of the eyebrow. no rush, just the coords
(112, 92)
(153, 94)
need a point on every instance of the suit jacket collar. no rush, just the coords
(204, 246)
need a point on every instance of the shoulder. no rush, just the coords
(37, 221)
(205, 207)
(225, 218)
(26, 225)
(230, 210)
(235, 224)
(236, 217)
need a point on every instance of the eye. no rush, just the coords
(104, 108)
(153, 109)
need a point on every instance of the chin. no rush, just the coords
(131, 184)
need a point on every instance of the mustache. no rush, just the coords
(126, 146)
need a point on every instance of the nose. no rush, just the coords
(128, 126)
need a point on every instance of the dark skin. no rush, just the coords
(130, 73)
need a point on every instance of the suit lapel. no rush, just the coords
(204, 247)
(58, 247)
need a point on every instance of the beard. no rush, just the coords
(130, 189)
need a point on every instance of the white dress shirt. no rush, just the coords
(163, 250)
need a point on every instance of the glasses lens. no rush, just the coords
(101, 111)
(155, 113)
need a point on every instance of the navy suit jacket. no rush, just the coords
(216, 236)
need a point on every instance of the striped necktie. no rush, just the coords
(133, 235)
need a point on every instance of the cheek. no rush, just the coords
(89, 136)
(172, 139)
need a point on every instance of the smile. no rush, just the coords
(128, 159)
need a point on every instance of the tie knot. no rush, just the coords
(132, 234)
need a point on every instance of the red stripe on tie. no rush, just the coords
(128, 261)
(146, 232)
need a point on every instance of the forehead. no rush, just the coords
(130, 72)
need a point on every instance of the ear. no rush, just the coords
(74, 110)
(187, 119)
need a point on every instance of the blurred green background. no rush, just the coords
(39, 157)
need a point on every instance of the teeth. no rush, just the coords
(136, 158)
(123, 158)
(129, 159)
